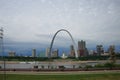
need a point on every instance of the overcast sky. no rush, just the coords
(36, 21)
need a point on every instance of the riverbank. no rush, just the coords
(58, 65)
(63, 61)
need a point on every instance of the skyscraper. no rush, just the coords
(47, 52)
(72, 51)
(81, 44)
(82, 50)
(100, 50)
(112, 53)
(34, 53)
(55, 53)
(111, 48)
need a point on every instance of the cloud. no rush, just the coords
(61, 39)
(37, 21)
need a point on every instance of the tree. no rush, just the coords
(109, 65)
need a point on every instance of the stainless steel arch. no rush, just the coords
(76, 55)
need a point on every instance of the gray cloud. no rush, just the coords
(91, 20)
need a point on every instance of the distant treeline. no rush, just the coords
(21, 58)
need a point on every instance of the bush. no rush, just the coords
(109, 65)
(88, 66)
(80, 66)
(99, 66)
(117, 65)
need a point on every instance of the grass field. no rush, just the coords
(103, 76)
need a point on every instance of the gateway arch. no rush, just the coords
(51, 45)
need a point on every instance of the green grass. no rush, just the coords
(109, 76)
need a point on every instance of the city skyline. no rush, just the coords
(33, 23)
(82, 50)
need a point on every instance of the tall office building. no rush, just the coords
(34, 53)
(55, 53)
(47, 52)
(82, 50)
(100, 50)
(112, 53)
(72, 51)
(81, 44)
(111, 49)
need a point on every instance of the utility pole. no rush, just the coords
(2, 52)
